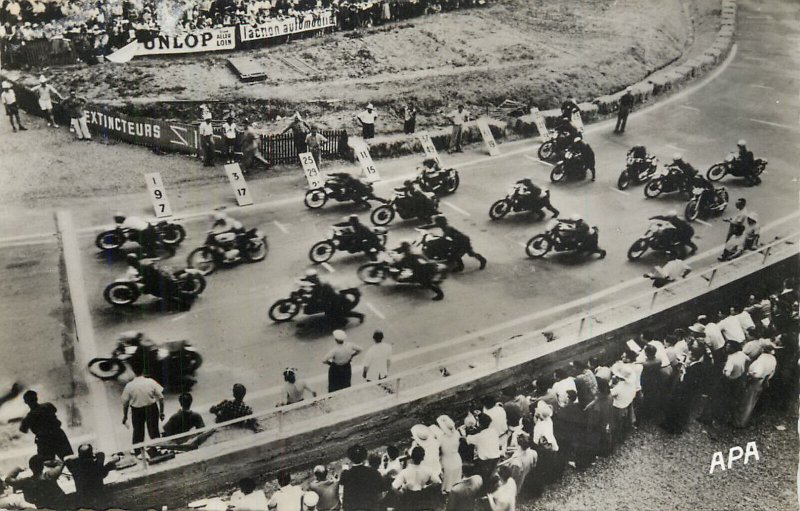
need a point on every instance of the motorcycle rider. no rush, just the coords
(639, 157)
(360, 191)
(156, 281)
(583, 154)
(431, 171)
(140, 231)
(460, 242)
(575, 232)
(362, 236)
(421, 202)
(421, 269)
(675, 230)
(708, 195)
(322, 297)
(745, 162)
(534, 198)
(684, 170)
(222, 225)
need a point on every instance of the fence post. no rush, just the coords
(497, 354)
(397, 387)
(766, 255)
(711, 278)
(280, 421)
(580, 326)
(653, 301)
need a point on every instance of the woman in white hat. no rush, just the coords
(9, 100)
(449, 457)
(44, 90)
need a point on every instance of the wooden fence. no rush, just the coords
(282, 148)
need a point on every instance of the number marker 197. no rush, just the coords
(158, 194)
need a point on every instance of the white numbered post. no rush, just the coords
(488, 138)
(239, 185)
(427, 145)
(158, 195)
(577, 121)
(538, 120)
(314, 177)
(368, 170)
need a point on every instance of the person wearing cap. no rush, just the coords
(299, 129)
(625, 107)
(229, 137)
(74, 106)
(88, 470)
(458, 117)
(310, 501)
(314, 141)
(9, 99)
(377, 359)
(326, 488)
(339, 360)
(206, 132)
(44, 91)
(367, 121)
(745, 162)
(294, 389)
(622, 394)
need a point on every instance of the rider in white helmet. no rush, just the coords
(228, 232)
(745, 161)
(139, 230)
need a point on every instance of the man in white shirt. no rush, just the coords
(367, 121)
(731, 327)
(760, 372)
(144, 396)
(377, 359)
(459, 118)
(562, 384)
(229, 136)
(247, 498)
(674, 270)
(488, 447)
(206, 132)
(416, 476)
(289, 497)
(497, 413)
(522, 461)
(9, 100)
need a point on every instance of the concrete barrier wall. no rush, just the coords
(210, 469)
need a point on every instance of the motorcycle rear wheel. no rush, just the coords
(624, 180)
(121, 293)
(716, 172)
(109, 240)
(106, 368)
(653, 188)
(172, 234)
(315, 199)
(372, 273)
(202, 259)
(321, 252)
(538, 246)
(382, 215)
(499, 209)
(692, 210)
(547, 150)
(558, 173)
(283, 310)
(638, 249)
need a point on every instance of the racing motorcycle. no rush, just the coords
(637, 171)
(404, 206)
(223, 249)
(568, 167)
(169, 233)
(541, 244)
(729, 167)
(445, 182)
(513, 202)
(668, 180)
(653, 239)
(287, 308)
(341, 238)
(551, 148)
(376, 272)
(172, 364)
(126, 290)
(695, 207)
(335, 189)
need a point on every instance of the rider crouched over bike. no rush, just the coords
(676, 231)
(457, 242)
(421, 270)
(140, 231)
(583, 154)
(534, 198)
(156, 281)
(422, 202)
(322, 297)
(574, 231)
(745, 163)
(228, 232)
(358, 189)
(361, 236)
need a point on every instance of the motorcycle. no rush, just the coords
(550, 149)
(287, 308)
(404, 206)
(172, 364)
(169, 233)
(342, 239)
(125, 291)
(694, 209)
(728, 167)
(637, 171)
(668, 180)
(541, 244)
(376, 272)
(223, 249)
(569, 167)
(445, 182)
(652, 239)
(513, 202)
(335, 189)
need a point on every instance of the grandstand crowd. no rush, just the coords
(722, 369)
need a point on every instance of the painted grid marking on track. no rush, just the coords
(762, 86)
(623, 192)
(692, 108)
(703, 222)
(453, 206)
(280, 226)
(329, 267)
(374, 310)
(777, 125)
(681, 149)
(538, 160)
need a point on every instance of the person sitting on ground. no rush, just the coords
(673, 271)
(248, 498)
(185, 419)
(9, 499)
(88, 470)
(293, 389)
(233, 409)
(41, 487)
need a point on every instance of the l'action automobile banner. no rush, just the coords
(145, 131)
(210, 39)
(275, 28)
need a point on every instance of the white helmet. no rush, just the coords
(741, 143)
(577, 139)
(575, 217)
(677, 157)
(730, 158)
(311, 273)
(218, 217)
(129, 335)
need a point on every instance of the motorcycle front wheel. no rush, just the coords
(653, 188)
(315, 199)
(538, 246)
(638, 249)
(452, 183)
(499, 209)
(193, 284)
(692, 210)
(106, 368)
(624, 180)
(202, 259)
(352, 296)
(283, 310)
(193, 361)
(716, 172)
(172, 234)
(558, 173)
(109, 240)
(121, 293)
(257, 250)
(321, 252)
(372, 273)
(382, 215)
(547, 150)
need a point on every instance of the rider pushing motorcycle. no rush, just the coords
(583, 154)
(460, 242)
(421, 269)
(574, 231)
(322, 297)
(421, 201)
(533, 197)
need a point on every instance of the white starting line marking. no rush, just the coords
(528, 156)
(777, 125)
(703, 222)
(752, 57)
(374, 310)
(329, 267)
(687, 107)
(451, 205)
(762, 86)
(623, 192)
(681, 149)
(509, 238)
(280, 226)
(179, 317)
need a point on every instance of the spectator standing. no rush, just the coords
(497, 414)
(249, 145)
(9, 99)
(423, 436)
(687, 388)
(367, 120)
(390, 464)
(522, 461)
(229, 137)
(233, 409)
(585, 383)
(289, 497)
(144, 396)
(412, 480)
(409, 118)
(207, 140)
(377, 359)
(450, 459)
(293, 389)
(184, 419)
(464, 494)
(735, 379)
(44, 91)
(314, 141)
(623, 394)
(247, 498)
(599, 420)
(759, 374)
(41, 420)
(74, 107)
(458, 117)
(326, 488)
(88, 470)
(299, 129)
(339, 360)
(41, 487)
(625, 107)
(361, 485)
(504, 497)
(488, 448)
